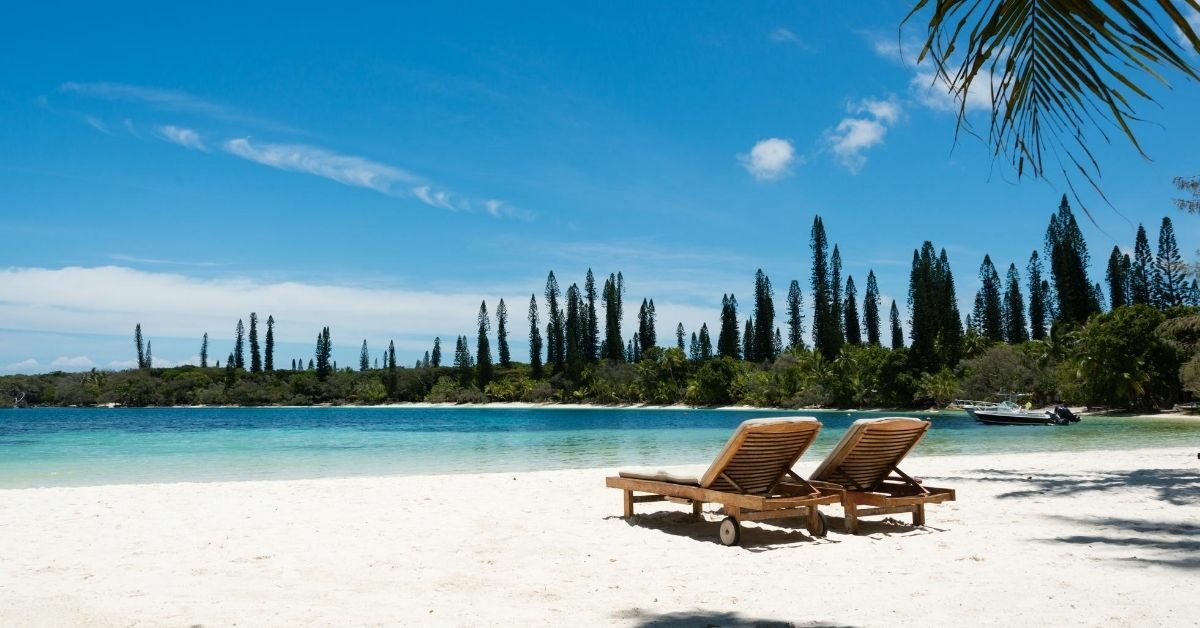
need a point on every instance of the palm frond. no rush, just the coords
(1059, 73)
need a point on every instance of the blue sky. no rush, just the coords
(382, 170)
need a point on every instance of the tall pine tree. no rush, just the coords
(727, 336)
(826, 328)
(679, 337)
(1037, 298)
(795, 315)
(706, 349)
(850, 314)
(204, 351)
(1118, 282)
(748, 343)
(1068, 255)
(764, 317)
(502, 335)
(535, 340)
(1141, 276)
(612, 320)
(269, 345)
(364, 357)
(990, 320)
(591, 338)
(255, 353)
(871, 309)
(575, 330)
(141, 347)
(835, 298)
(897, 331)
(1171, 287)
(556, 350)
(483, 350)
(1014, 309)
(435, 357)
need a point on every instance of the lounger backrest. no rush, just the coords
(760, 452)
(869, 451)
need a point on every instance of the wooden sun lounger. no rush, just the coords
(863, 463)
(751, 478)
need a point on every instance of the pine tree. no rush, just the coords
(897, 332)
(975, 318)
(694, 348)
(462, 361)
(269, 362)
(483, 350)
(1037, 298)
(575, 330)
(795, 309)
(991, 319)
(679, 336)
(727, 337)
(1014, 309)
(630, 355)
(612, 320)
(1141, 277)
(502, 335)
(871, 309)
(204, 351)
(425, 361)
(764, 318)
(645, 326)
(835, 300)
(364, 357)
(230, 371)
(556, 350)
(239, 356)
(255, 353)
(1068, 265)
(435, 358)
(777, 341)
(141, 349)
(321, 354)
(389, 362)
(748, 341)
(1115, 276)
(823, 329)
(293, 364)
(310, 363)
(706, 349)
(1096, 296)
(1194, 294)
(936, 327)
(591, 332)
(1170, 270)
(149, 355)
(535, 340)
(850, 313)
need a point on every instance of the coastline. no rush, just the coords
(1105, 539)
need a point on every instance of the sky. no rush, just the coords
(384, 170)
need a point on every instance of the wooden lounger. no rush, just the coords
(863, 463)
(751, 478)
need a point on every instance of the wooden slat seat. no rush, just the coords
(864, 461)
(751, 477)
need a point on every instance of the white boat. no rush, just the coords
(1009, 413)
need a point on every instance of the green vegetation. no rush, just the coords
(1142, 354)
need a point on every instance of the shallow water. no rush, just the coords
(90, 446)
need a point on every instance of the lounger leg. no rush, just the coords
(628, 503)
(851, 519)
(814, 519)
(919, 515)
(697, 508)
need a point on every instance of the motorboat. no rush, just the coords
(1009, 413)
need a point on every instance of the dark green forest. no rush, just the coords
(1129, 340)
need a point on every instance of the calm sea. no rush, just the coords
(90, 446)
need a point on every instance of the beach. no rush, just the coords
(1069, 538)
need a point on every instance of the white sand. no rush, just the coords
(1095, 538)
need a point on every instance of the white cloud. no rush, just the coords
(23, 365)
(345, 169)
(784, 36)
(854, 136)
(186, 138)
(769, 159)
(165, 100)
(76, 362)
(932, 91)
(95, 123)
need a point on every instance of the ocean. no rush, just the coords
(42, 447)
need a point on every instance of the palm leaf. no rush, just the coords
(1059, 72)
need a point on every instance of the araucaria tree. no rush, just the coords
(1141, 276)
(535, 340)
(1014, 309)
(204, 351)
(795, 315)
(483, 350)
(936, 328)
(727, 336)
(239, 355)
(748, 341)
(462, 361)
(364, 357)
(764, 318)
(323, 353)
(871, 309)
(1068, 266)
(556, 350)
(990, 320)
(591, 338)
(706, 348)
(1037, 298)
(435, 357)
(850, 313)
(897, 331)
(141, 347)
(679, 337)
(1117, 277)
(505, 358)
(647, 335)
(269, 362)
(255, 353)
(1170, 286)
(613, 343)
(574, 332)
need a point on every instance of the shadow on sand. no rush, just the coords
(1170, 544)
(1180, 487)
(703, 618)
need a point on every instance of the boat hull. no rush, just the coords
(1003, 418)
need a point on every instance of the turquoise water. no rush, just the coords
(89, 446)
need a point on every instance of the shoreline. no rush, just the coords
(1107, 540)
(528, 405)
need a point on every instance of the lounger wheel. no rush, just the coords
(822, 527)
(731, 531)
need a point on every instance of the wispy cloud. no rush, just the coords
(865, 128)
(166, 100)
(769, 159)
(75, 362)
(23, 365)
(345, 169)
(926, 87)
(120, 257)
(785, 36)
(186, 138)
(95, 123)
